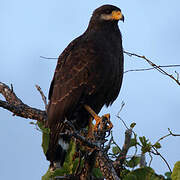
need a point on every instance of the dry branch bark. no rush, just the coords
(118, 163)
(17, 107)
(106, 166)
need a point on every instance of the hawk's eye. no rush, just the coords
(108, 11)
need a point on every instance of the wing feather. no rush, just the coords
(74, 78)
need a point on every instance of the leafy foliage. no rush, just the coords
(129, 171)
(146, 146)
(69, 165)
(168, 175)
(176, 171)
(157, 145)
(97, 173)
(45, 136)
(145, 173)
(116, 150)
(132, 125)
(133, 162)
(133, 142)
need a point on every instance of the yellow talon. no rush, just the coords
(98, 120)
(107, 116)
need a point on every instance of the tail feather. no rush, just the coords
(56, 154)
(58, 146)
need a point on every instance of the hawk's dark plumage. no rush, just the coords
(89, 71)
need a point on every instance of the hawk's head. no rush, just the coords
(108, 13)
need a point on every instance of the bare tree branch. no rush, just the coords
(147, 69)
(158, 68)
(9, 95)
(159, 154)
(43, 97)
(106, 166)
(43, 57)
(122, 156)
(17, 107)
(170, 134)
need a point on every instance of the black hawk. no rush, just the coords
(89, 72)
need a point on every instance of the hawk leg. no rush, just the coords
(90, 129)
(99, 121)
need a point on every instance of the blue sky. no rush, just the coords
(30, 29)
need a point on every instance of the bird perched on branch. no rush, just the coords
(89, 73)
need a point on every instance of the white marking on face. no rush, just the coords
(106, 16)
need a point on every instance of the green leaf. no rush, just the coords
(130, 177)
(133, 125)
(48, 175)
(68, 166)
(157, 145)
(133, 162)
(43, 128)
(146, 146)
(68, 163)
(168, 175)
(45, 142)
(133, 142)
(76, 163)
(116, 150)
(145, 173)
(97, 173)
(176, 171)
(45, 136)
(143, 140)
(123, 173)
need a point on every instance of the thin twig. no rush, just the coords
(157, 67)
(158, 153)
(113, 141)
(151, 158)
(86, 142)
(43, 57)
(147, 69)
(173, 133)
(122, 105)
(170, 134)
(43, 96)
(108, 146)
(118, 114)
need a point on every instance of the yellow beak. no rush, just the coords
(117, 15)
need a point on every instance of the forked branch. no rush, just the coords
(154, 66)
(17, 107)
